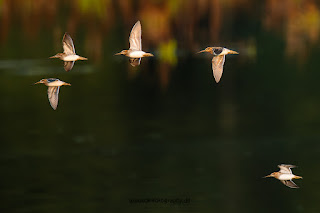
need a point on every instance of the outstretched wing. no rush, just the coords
(289, 183)
(135, 61)
(135, 37)
(68, 65)
(285, 169)
(53, 96)
(67, 43)
(217, 67)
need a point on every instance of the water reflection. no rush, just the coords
(164, 129)
(38, 67)
(301, 24)
(164, 21)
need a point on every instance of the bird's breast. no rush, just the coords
(286, 176)
(136, 54)
(71, 58)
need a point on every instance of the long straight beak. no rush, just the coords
(267, 176)
(67, 84)
(54, 56)
(202, 51)
(37, 82)
(118, 53)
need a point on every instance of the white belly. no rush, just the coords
(286, 176)
(136, 54)
(71, 58)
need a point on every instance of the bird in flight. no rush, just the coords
(219, 54)
(135, 52)
(285, 175)
(53, 89)
(69, 55)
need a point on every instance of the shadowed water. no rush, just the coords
(162, 130)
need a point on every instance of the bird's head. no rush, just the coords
(218, 51)
(42, 81)
(123, 52)
(208, 49)
(273, 174)
(58, 55)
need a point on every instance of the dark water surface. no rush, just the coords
(162, 137)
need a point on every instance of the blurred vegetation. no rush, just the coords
(192, 23)
(164, 129)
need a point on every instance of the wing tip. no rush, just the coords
(137, 24)
(287, 165)
(53, 105)
(66, 34)
(217, 79)
(290, 184)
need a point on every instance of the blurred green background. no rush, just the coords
(164, 129)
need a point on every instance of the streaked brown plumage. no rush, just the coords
(218, 59)
(69, 55)
(135, 52)
(285, 175)
(53, 89)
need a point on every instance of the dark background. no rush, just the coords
(164, 129)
